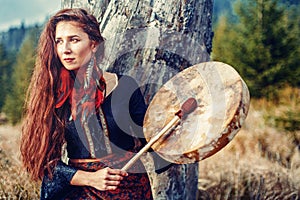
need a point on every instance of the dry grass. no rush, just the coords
(14, 182)
(262, 162)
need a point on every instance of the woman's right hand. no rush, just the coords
(107, 178)
(103, 179)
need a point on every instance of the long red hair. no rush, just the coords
(43, 125)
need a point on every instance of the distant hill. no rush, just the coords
(14, 37)
(222, 7)
(226, 7)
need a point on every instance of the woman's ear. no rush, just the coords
(95, 46)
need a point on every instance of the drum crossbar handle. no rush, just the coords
(187, 107)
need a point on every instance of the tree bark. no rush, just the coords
(153, 40)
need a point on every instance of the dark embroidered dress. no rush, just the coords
(124, 111)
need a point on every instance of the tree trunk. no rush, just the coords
(152, 40)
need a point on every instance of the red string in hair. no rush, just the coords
(94, 95)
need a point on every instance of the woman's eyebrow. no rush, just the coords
(69, 36)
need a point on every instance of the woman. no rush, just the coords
(97, 115)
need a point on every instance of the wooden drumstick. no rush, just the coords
(187, 107)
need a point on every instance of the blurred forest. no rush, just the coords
(260, 39)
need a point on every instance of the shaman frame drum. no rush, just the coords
(223, 101)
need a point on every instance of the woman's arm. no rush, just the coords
(65, 176)
(57, 186)
(103, 179)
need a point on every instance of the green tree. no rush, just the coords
(23, 67)
(262, 46)
(6, 60)
(223, 7)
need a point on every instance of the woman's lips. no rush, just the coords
(69, 60)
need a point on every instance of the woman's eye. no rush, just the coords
(58, 41)
(74, 40)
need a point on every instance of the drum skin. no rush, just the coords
(222, 105)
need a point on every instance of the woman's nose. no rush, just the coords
(66, 48)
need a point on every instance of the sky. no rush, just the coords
(14, 12)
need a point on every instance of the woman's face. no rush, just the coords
(73, 46)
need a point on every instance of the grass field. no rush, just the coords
(14, 182)
(262, 161)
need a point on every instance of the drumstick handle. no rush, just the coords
(187, 107)
(174, 121)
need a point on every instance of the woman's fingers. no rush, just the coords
(117, 172)
(113, 177)
(112, 183)
(108, 179)
(110, 188)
